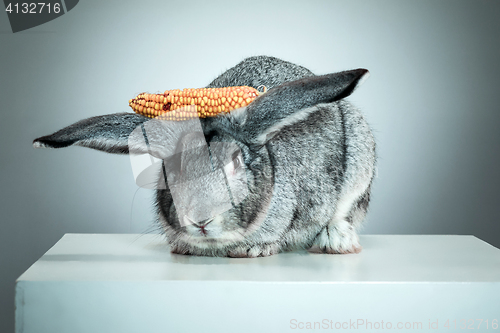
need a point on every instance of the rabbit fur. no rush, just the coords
(305, 157)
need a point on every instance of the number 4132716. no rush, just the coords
(33, 8)
(471, 324)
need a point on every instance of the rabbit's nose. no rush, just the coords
(204, 223)
(199, 224)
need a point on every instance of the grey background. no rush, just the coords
(432, 100)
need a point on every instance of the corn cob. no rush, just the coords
(189, 103)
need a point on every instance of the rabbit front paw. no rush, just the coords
(337, 238)
(254, 251)
(178, 249)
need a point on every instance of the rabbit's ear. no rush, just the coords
(291, 102)
(109, 133)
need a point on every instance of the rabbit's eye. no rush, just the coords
(237, 162)
(173, 168)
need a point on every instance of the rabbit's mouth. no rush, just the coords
(203, 225)
(201, 228)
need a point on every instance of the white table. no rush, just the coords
(131, 283)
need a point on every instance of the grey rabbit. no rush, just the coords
(298, 163)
